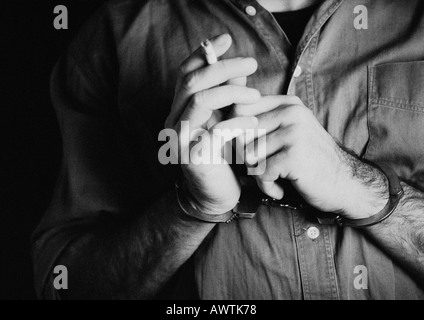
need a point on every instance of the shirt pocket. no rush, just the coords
(396, 118)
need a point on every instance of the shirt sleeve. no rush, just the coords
(101, 175)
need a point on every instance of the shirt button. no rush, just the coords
(250, 10)
(297, 72)
(313, 233)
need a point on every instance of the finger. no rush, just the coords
(265, 104)
(276, 166)
(228, 130)
(256, 151)
(218, 73)
(269, 122)
(271, 189)
(241, 81)
(262, 107)
(218, 116)
(214, 140)
(196, 60)
(232, 128)
(203, 103)
(209, 77)
(274, 142)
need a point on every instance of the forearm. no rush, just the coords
(132, 259)
(402, 234)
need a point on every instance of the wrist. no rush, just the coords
(191, 208)
(201, 202)
(367, 191)
(382, 185)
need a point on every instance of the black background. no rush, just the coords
(31, 144)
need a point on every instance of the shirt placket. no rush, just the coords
(315, 257)
(312, 241)
(268, 29)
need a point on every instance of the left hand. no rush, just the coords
(299, 149)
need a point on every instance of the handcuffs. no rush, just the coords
(251, 199)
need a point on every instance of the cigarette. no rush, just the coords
(209, 52)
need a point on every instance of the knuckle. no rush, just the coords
(297, 100)
(292, 113)
(190, 81)
(295, 112)
(304, 110)
(291, 132)
(268, 116)
(296, 108)
(182, 70)
(304, 114)
(199, 99)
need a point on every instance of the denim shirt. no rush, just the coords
(113, 90)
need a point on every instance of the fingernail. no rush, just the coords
(223, 39)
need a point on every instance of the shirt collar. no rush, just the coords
(318, 19)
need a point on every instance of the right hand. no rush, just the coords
(201, 91)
